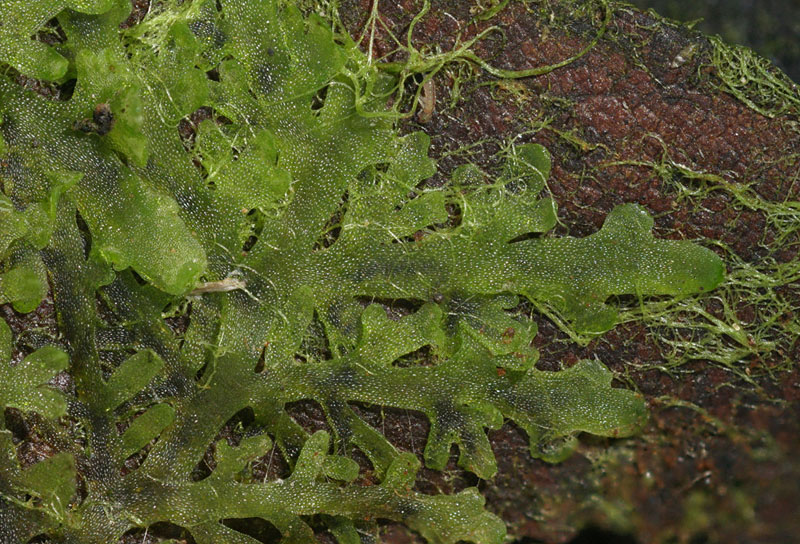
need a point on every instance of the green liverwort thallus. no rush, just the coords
(127, 217)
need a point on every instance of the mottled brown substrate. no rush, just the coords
(724, 469)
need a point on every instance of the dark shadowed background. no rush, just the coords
(771, 27)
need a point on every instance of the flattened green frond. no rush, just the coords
(231, 224)
(25, 385)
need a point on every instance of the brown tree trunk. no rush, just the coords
(650, 114)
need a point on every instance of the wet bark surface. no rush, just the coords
(718, 460)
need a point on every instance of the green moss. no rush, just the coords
(287, 222)
(747, 326)
(753, 80)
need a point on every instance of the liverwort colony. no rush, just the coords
(280, 230)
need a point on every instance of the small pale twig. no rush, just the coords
(222, 286)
